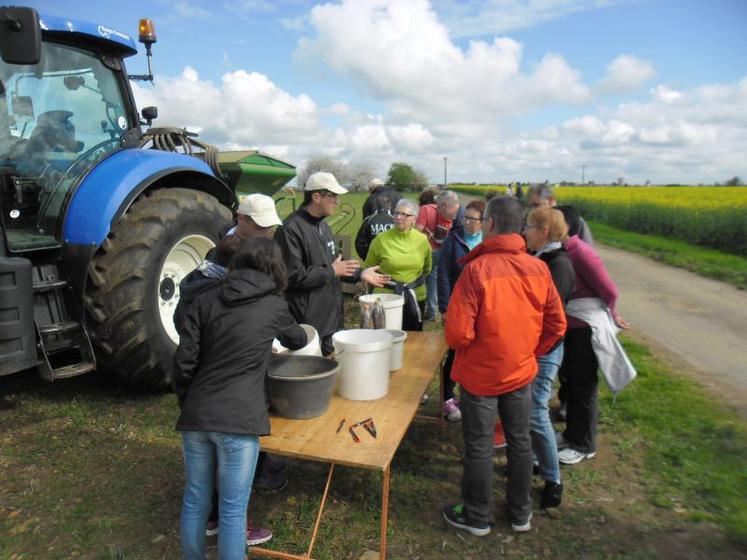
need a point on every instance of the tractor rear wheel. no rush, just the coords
(133, 281)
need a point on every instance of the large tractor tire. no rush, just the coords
(133, 282)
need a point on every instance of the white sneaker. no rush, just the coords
(524, 528)
(570, 456)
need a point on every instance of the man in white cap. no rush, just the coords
(315, 268)
(256, 215)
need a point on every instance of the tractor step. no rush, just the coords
(59, 328)
(48, 285)
(64, 349)
(72, 370)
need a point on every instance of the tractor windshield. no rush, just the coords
(58, 118)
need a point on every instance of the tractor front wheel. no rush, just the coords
(133, 281)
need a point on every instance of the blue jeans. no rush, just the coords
(543, 434)
(235, 456)
(431, 287)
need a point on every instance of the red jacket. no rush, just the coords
(504, 311)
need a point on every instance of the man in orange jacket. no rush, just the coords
(503, 313)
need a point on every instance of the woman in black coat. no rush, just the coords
(219, 378)
(545, 232)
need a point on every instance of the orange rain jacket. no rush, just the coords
(504, 311)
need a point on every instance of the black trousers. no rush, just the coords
(582, 390)
(446, 381)
(478, 429)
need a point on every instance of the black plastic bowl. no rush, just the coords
(301, 386)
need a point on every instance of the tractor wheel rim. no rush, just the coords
(183, 258)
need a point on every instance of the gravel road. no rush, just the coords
(699, 324)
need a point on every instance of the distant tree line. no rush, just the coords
(357, 175)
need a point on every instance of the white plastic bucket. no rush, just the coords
(312, 348)
(398, 349)
(392, 304)
(364, 363)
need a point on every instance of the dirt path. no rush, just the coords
(700, 325)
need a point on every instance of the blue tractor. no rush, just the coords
(100, 220)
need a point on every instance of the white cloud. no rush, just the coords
(471, 18)
(246, 109)
(416, 69)
(435, 98)
(625, 73)
(666, 95)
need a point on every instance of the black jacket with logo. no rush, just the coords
(224, 350)
(370, 228)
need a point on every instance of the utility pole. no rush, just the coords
(583, 174)
(445, 183)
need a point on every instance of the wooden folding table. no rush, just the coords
(316, 439)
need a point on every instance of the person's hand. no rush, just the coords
(443, 318)
(373, 276)
(345, 268)
(622, 323)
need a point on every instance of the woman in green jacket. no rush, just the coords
(405, 254)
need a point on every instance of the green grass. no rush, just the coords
(91, 470)
(696, 449)
(706, 262)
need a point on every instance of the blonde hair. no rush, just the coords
(551, 219)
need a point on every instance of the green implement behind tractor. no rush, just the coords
(252, 171)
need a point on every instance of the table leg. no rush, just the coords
(267, 553)
(321, 508)
(384, 512)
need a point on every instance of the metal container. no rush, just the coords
(301, 386)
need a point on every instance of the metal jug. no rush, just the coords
(378, 316)
(367, 321)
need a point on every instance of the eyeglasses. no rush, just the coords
(470, 219)
(402, 215)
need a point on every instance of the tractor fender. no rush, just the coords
(109, 189)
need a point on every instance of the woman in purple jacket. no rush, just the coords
(579, 440)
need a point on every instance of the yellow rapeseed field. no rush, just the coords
(711, 216)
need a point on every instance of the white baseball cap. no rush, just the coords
(323, 181)
(375, 183)
(260, 208)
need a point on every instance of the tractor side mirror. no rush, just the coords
(20, 35)
(149, 114)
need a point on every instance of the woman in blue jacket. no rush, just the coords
(462, 238)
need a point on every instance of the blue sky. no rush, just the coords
(507, 89)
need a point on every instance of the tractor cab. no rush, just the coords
(58, 118)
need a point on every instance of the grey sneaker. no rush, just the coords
(522, 527)
(454, 516)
